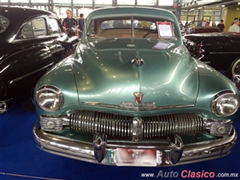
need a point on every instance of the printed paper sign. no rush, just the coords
(164, 29)
(161, 45)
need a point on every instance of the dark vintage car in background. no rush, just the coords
(196, 28)
(31, 42)
(201, 29)
(219, 50)
(131, 95)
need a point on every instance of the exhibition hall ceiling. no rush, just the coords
(199, 3)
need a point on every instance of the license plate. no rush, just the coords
(135, 157)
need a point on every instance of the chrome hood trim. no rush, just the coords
(148, 106)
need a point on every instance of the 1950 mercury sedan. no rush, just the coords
(131, 94)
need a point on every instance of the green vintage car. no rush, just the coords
(131, 95)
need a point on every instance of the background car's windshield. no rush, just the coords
(4, 22)
(127, 27)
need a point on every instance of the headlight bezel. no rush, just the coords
(56, 92)
(219, 97)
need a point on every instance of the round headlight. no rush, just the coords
(225, 104)
(49, 98)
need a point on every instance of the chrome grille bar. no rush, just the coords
(96, 122)
(162, 126)
(121, 126)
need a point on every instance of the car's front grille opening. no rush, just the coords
(121, 126)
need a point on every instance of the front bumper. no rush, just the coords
(5, 105)
(168, 152)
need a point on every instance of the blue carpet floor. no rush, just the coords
(21, 159)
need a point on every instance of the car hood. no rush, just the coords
(105, 74)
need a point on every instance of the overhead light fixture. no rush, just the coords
(223, 5)
(239, 3)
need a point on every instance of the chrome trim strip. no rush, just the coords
(202, 56)
(84, 151)
(29, 74)
(132, 107)
(88, 124)
(224, 53)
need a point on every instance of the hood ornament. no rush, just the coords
(137, 60)
(138, 97)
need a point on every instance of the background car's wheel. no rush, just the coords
(234, 69)
(28, 104)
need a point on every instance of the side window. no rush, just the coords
(4, 22)
(33, 28)
(53, 26)
(92, 28)
(27, 30)
(39, 27)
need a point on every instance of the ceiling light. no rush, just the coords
(238, 2)
(223, 5)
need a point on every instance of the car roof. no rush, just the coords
(21, 12)
(132, 10)
(17, 16)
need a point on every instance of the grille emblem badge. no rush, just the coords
(138, 97)
(137, 60)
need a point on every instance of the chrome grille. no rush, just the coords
(121, 126)
(165, 125)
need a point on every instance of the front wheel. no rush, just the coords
(234, 68)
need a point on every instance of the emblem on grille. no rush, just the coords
(137, 60)
(138, 97)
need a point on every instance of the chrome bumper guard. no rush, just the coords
(169, 152)
(5, 105)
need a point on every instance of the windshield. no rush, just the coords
(128, 27)
(4, 22)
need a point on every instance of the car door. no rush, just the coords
(32, 54)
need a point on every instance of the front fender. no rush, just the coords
(211, 82)
(60, 76)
